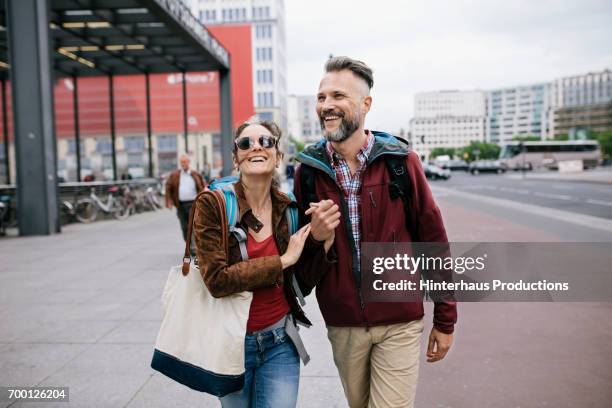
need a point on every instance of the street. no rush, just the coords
(584, 198)
(82, 309)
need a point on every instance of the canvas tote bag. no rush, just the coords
(201, 340)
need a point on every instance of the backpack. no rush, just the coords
(400, 186)
(226, 185)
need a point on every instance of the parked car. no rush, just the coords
(456, 165)
(434, 172)
(486, 166)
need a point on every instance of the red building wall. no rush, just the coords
(166, 97)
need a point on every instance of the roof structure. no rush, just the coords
(108, 37)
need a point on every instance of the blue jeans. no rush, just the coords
(272, 373)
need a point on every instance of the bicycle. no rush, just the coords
(77, 209)
(8, 214)
(118, 207)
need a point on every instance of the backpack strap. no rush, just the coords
(401, 186)
(292, 222)
(292, 214)
(307, 186)
(232, 211)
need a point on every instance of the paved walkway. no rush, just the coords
(81, 309)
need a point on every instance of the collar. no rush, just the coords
(362, 154)
(280, 201)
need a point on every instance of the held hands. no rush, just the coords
(324, 218)
(442, 343)
(295, 247)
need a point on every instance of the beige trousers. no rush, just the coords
(378, 367)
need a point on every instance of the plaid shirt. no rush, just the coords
(351, 184)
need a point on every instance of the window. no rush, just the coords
(71, 147)
(135, 160)
(166, 143)
(104, 146)
(265, 116)
(134, 143)
(223, 14)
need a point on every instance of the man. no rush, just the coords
(182, 187)
(376, 346)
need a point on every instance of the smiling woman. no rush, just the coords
(264, 265)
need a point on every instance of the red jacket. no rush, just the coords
(382, 220)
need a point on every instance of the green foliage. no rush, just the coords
(526, 138)
(562, 138)
(485, 151)
(443, 151)
(605, 142)
(299, 146)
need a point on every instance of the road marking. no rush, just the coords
(514, 190)
(562, 187)
(555, 196)
(600, 202)
(559, 215)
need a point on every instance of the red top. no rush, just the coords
(269, 304)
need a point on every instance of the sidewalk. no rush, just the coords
(81, 309)
(599, 175)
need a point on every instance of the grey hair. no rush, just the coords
(358, 68)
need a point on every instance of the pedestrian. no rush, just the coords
(182, 187)
(272, 364)
(376, 346)
(290, 173)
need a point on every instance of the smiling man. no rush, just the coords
(376, 346)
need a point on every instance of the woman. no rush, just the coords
(271, 359)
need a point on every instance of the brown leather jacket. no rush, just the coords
(172, 186)
(225, 276)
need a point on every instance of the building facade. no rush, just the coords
(447, 119)
(303, 121)
(267, 20)
(583, 102)
(519, 111)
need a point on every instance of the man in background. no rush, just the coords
(182, 187)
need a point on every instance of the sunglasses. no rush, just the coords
(265, 141)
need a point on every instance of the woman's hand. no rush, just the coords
(295, 247)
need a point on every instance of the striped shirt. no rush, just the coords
(351, 184)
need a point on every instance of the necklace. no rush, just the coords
(258, 214)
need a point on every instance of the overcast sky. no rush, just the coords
(416, 46)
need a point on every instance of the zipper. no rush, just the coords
(311, 161)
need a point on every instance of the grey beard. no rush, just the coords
(346, 129)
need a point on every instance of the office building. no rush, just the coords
(448, 119)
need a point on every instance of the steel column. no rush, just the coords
(7, 160)
(226, 122)
(77, 128)
(34, 128)
(185, 129)
(111, 95)
(148, 94)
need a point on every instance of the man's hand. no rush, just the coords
(324, 218)
(442, 343)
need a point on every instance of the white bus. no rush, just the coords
(549, 153)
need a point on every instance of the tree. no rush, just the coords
(299, 146)
(442, 151)
(605, 143)
(527, 138)
(481, 150)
